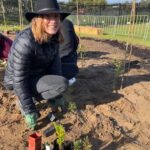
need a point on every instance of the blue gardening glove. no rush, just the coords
(31, 120)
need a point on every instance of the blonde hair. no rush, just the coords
(39, 33)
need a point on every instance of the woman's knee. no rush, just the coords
(50, 86)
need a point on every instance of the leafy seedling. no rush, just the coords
(118, 67)
(72, 107)
(77, 144)
(86, 144)
(60, 132)
(118, 71)
(82, 54)
(81, 51)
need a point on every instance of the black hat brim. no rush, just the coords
(30, 15)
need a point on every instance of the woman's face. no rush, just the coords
(51, 23)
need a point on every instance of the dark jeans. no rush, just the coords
(48, 86)
(45, 87)
(69, 65)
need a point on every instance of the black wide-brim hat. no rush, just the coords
(46, 7)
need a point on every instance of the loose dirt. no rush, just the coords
(113, 116)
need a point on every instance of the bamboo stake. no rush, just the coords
(20, 14)
(129, 39)
(21, 11)
(78, 23)
(3, 11)
(31, 3)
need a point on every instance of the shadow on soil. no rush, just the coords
(95, 85)
(139, 51)
(91, 54)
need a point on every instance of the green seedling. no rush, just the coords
(118, 64)
(77, 144)
(118, 67)
(60, 132)
(82, 54)
(72, 107)
(86, 144)
(81, 50)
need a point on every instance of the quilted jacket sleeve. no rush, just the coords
(22, 57)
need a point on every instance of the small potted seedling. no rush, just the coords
(118, 71)
(82, 54)
(86, 144)
(60, 143)
(77, 144)
(81, 50)
(82, 144)
(72, 107)
(60, 132)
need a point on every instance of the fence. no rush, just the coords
(10, 9)
(117, 25)
(113, 19)
(107, 10)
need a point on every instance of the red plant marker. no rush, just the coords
(35, 141)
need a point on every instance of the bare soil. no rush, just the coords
(113, 117)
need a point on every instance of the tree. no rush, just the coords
(90, 1)
(3, 12)
(100, 2)
(145, 1)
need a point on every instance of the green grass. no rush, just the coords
(139, 30)
(133, 41)
(117, 27)
(9, 28)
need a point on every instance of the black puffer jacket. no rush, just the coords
(27, 59)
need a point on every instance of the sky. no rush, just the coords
(108, 1)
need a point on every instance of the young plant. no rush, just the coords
(72, 107)
(60, 132)
(86, 144)
(77, 144)
(82, 54)
(118, 64)
(81, 51)
(118, 67)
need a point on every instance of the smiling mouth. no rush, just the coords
(52, 27)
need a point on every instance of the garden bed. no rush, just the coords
(88, 30)
(111, 120)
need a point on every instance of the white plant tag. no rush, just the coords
(47, 147)
(52, 118)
